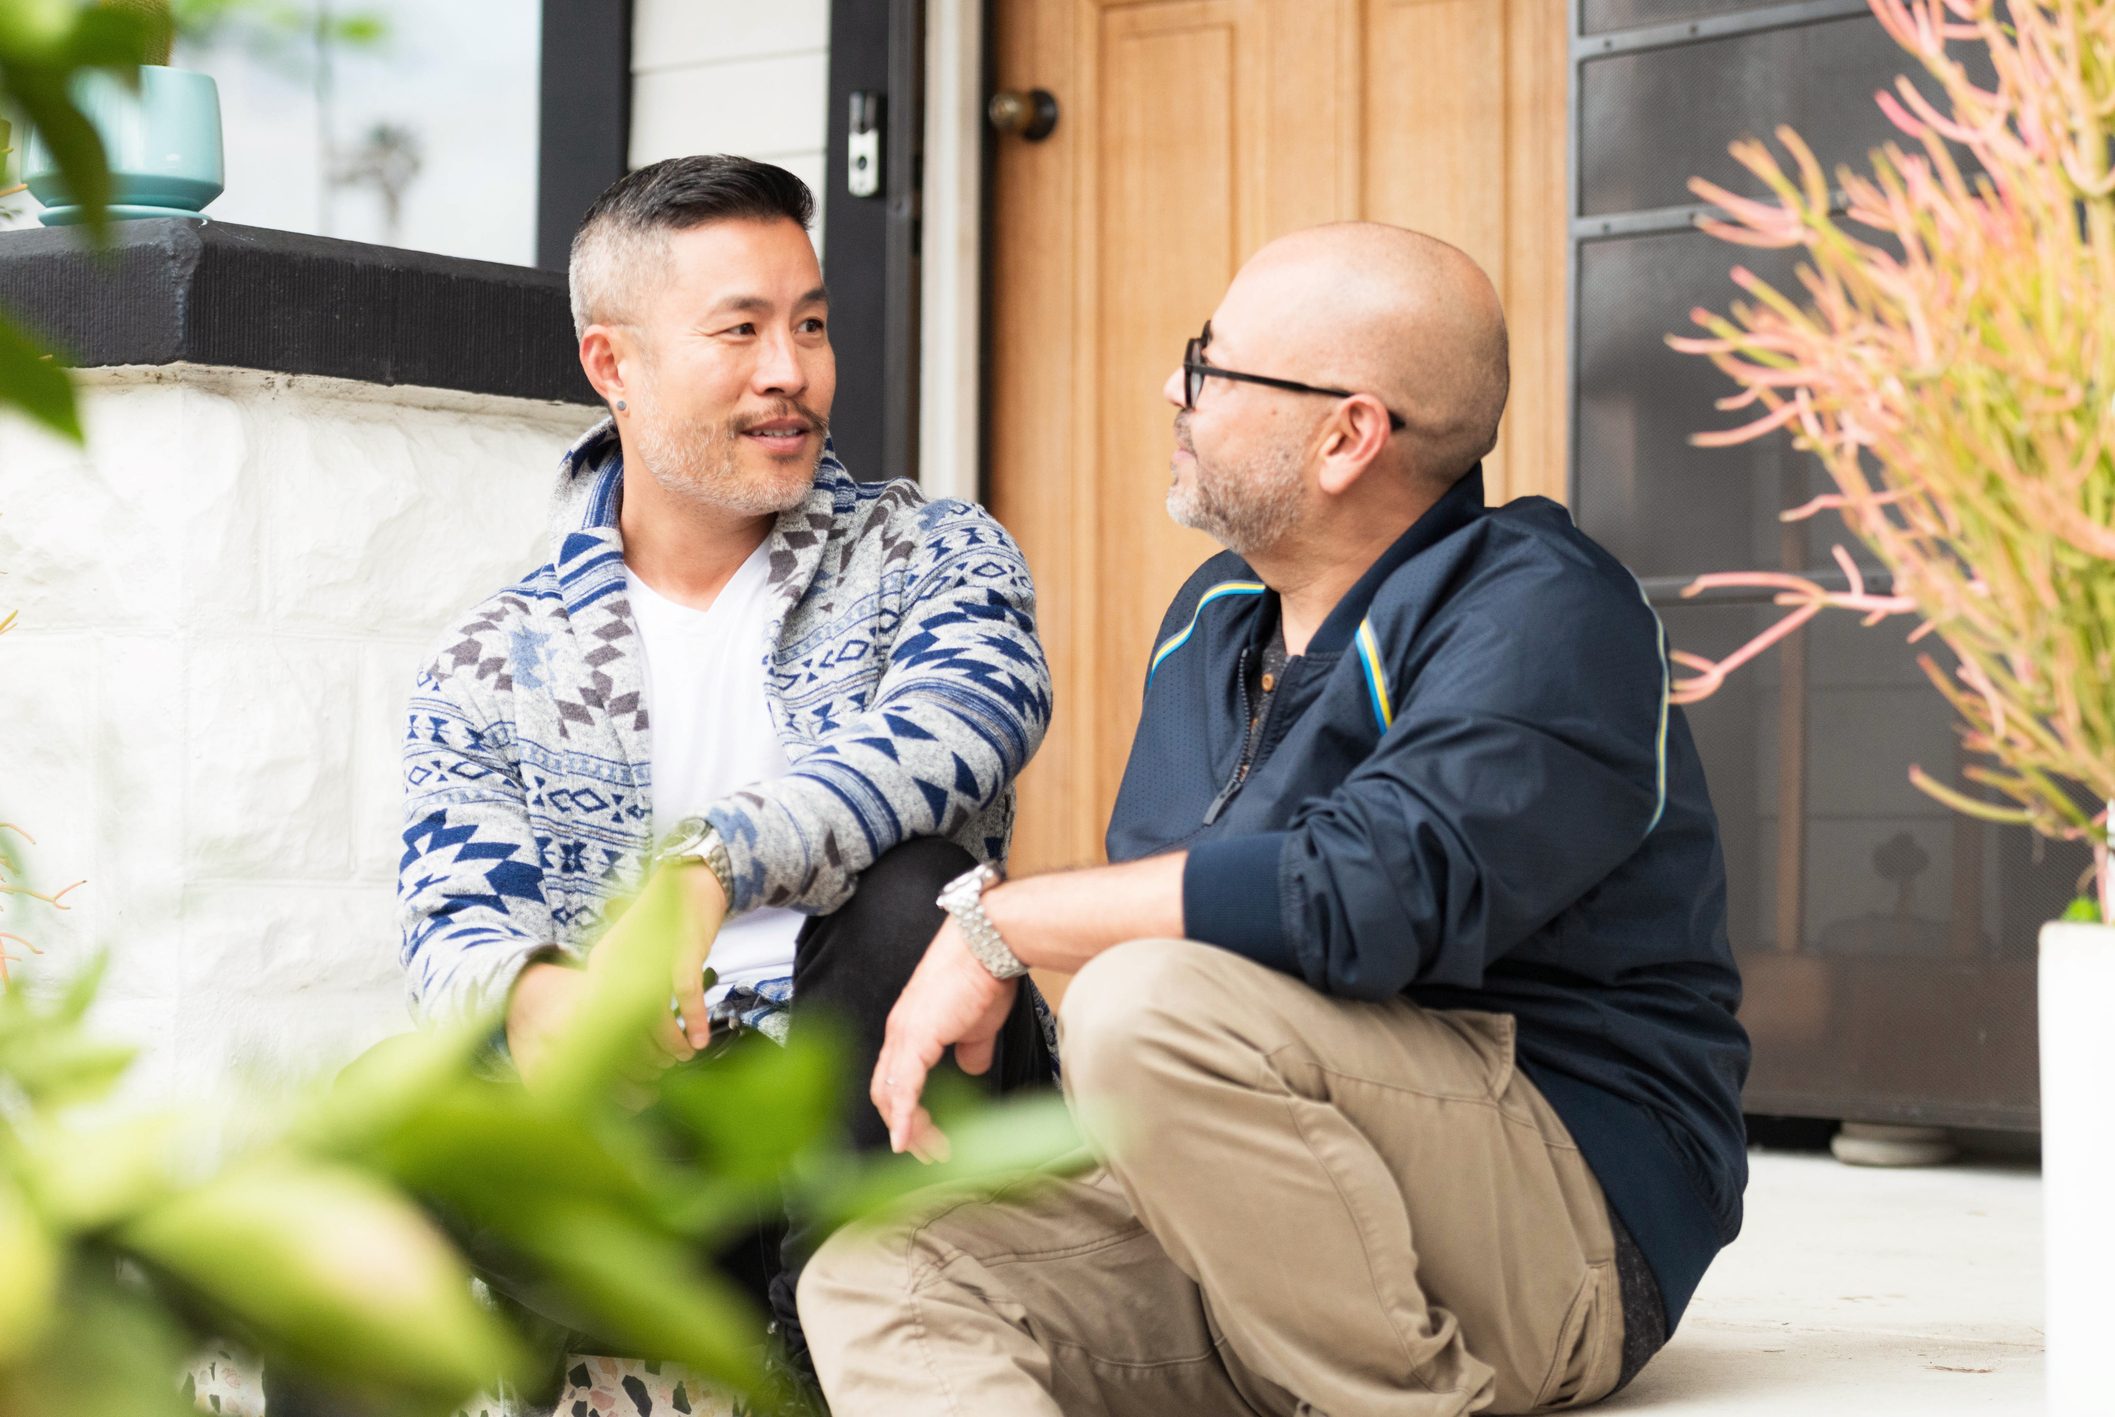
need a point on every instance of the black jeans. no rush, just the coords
(848, 967)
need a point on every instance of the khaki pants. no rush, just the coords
(1308, 1205)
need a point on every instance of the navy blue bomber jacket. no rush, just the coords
(1471, 789)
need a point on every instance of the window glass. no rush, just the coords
(401, 122)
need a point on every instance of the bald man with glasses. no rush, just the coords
(1403, 1028)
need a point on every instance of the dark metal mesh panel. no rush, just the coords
(1650, 121)
(1907, 975)
(1663, 507)
(1596, 16)
(1887, 946)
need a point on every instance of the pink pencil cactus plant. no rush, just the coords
(1949, 358)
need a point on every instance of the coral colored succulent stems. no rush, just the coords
(1946, 354)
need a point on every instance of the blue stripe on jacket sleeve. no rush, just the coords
(1230, 899)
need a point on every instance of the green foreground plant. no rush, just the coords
(324, 1246)
(128, 1239)
(1950, 360)
(43, 45)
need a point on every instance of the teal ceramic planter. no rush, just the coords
(163, 142)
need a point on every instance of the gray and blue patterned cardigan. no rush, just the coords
(903, 672)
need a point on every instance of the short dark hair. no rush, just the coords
(673, 195)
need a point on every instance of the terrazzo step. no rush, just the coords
(223, 1383)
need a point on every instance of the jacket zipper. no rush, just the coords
(1250, 736)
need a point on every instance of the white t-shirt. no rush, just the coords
(712, 735)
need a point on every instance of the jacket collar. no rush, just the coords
(1457, 507)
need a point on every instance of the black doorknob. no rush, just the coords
(1033, 114)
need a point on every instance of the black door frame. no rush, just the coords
(584, 106)
(872, 245)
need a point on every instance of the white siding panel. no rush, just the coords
(672, 33)
(808, 167)
(757, 108)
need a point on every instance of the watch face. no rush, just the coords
(684, 833)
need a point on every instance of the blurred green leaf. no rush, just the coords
(45, 1052)
(112, 1352)
(375, 1094)
(281, 34)
(30, 1258)
(647, 1295)
(34, 28)
(992, 1145)
(483, 1145)
(331, 1268)
(57, 1067)
(159, 25)
(751, 1110)
(97, 1174)
(31, 382)
(360, 31)
(627, 995)
(78, 996)
(44, 46)
(2084, 910)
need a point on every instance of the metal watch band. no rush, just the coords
(963, 899)
(696, 839)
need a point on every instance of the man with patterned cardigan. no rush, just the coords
(805, 696)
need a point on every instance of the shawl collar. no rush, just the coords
(587, 556)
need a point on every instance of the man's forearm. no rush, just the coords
(1062, 920)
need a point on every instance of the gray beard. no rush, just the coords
(700, 461)
(1246, 510)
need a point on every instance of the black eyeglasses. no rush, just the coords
(1195, 371)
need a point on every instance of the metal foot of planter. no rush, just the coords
(2078, 1162)
(1875, 1144)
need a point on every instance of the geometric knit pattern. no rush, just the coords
(902, 671)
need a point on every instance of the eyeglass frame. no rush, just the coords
(1195, 371)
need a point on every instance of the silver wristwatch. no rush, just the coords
(963, 898)
(696, 839)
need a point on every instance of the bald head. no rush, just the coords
(1381, 310)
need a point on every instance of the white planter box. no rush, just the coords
(2078, 1161)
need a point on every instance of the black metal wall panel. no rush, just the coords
(1661, 116)
(1887, 945)
(1599, 16)
(1666, 508)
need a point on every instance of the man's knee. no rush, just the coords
(859, 1277)
(1146, 1001)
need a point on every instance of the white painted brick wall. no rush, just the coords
(223, 601)
(733, 76)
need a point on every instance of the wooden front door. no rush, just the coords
(1191, 132)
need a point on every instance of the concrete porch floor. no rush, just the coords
(1854, 1290)
(1851, 1290)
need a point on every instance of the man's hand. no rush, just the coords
(543, 1001)
(951, 1001)
(547, 995)
(705, 908)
